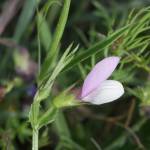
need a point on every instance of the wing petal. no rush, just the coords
(108, 91)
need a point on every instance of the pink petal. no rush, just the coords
(99, 73)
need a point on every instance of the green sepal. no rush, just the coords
(65, 99)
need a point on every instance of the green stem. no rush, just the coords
(33, 117)
(35, 139)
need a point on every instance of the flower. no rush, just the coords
(96, 88)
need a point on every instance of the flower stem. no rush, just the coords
(35, 139)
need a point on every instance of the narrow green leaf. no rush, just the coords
(33, 114)
(44, 32)
(44, 27)
(25, 18)
(48, 117)
(51, 56)
(119, 142)
(97, 47)
(46, 82)
(61, 126)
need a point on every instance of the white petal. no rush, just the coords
(108, 91)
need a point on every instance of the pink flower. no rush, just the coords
(96, 88)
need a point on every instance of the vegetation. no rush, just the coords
(47, 48)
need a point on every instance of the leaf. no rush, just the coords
(33, 114)
(68, 143)
(44, 32)
(120, 142)
(61, 126)
(46, 82)
(51, 55)
(64, 61)
(48, 117)
(25, 18)
(98, 47)
(47, 6)
(43, 26)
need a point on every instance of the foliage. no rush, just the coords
(40, 94)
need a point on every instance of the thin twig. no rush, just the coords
(132, 133)
(130, 113)
(114, 120)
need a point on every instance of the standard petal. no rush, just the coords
(99, 73)
(108, 91)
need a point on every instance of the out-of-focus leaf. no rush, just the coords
(44, 32)
(97, 47)
(53, 51)
(25, 18)
(61, 126)
(120, 142)
(43, 26)
(48, 117)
